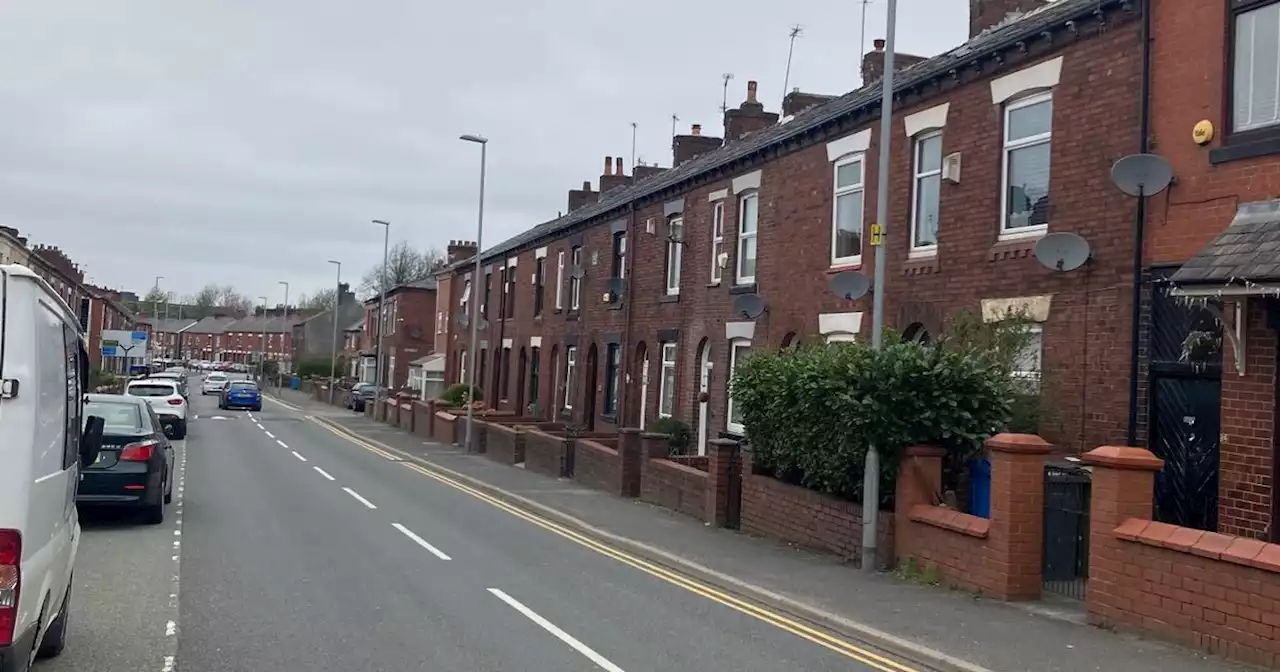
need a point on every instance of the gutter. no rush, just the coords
(1139, 227)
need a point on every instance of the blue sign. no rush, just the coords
(140, 336)
(109, 351)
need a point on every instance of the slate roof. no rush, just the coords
(358, 325)
(170, 326)
(211, 325)
(996, 39)
(257, 325)
(428, 283)
(1248, 250)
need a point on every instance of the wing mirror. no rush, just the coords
(91, 440)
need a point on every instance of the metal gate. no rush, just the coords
(1185, 414)
(1067, 490)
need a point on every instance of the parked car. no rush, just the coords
(134, 468)
(44, 371)
(213, 383)
(167, 400)
(241, 394)
(361, 394)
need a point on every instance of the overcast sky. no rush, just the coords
(249, 141)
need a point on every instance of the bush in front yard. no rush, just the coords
(811, 412)
(456, 395)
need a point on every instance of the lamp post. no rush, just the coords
(475, 286)
(378, 373)
(871, 471)
(337, 303)
(286, 330)
(155, 298)
(262, 352)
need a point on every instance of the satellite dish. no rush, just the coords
(1062, 251)
(750, 306)
(482, 325)
(850, 285)
(1142, 174)
(577, 272)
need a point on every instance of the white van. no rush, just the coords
(43, 375)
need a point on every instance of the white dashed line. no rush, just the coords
(324, 473)
(282, 443)
(420, 541)
(270, 435)
(358, 498)
(299, 456)
(563, 636)
(170, 629)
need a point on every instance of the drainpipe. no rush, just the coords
(625, 355)
(1139, 225)
(502, 367)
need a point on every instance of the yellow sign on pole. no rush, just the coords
(877, 235)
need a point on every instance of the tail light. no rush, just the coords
(175, 402)
(10, 583)
(137, 452)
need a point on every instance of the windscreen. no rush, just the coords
(116, 415)
(217, 376)
(151, 390)
(243, 385)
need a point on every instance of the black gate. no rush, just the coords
(1185, 413)
(1067, 488)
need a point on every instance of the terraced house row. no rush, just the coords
(622, 310)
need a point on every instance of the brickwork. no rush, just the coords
(424, 413)
(406, 419)
(777, 510)
(598, 464)
(674, 486)
(445, 428)
(1247, 451)
(998, 556)
(548, 454)
(1215, 592)
(504, 444)
(1086, 335)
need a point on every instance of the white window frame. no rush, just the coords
(462, 367)
(734, 346)
(560, 280)
(1032, 378)
(575, 284)
(919, 176)
(675, 254)
(739, 277)
(836, 192)
(1245, 60)
(717, 240)
(570, 364)
(1008, 147)
(669, 356)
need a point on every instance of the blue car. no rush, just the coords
(241, 394)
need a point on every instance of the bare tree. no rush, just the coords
(207, 297)
(155, 295)
(404, 265)
(320, 300)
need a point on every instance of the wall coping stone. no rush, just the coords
(925, 451)
(1212, 545)
(950, 519)
(1123, 457)
(1018, 444)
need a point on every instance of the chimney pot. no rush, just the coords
(696, 130)
(879, 44)
(751, 91)
(586, 185)
(619, 170)
(608, 165)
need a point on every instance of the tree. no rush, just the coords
(404, 265)
(207, 297)
(321, 300)
(229, 298)
(155, 295)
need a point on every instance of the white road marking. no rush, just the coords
(170, 629)
(563, 636)
(270, 435)
(299, 456)
(282, 443)
(421, 542)
(168, 664)
(358, 498)
(324, 473)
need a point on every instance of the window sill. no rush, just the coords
(841, 268)
(922, 253)
(669, 298)
(1016, 248)
(1031, 233)
(713, 283)
(921, 265)
(738, 431)
(743, 289)
(1244, 148)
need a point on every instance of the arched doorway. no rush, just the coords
(639, 411)
(520, 381)
(917, 333)
(790, 340)
(704, 394)
(589, 391)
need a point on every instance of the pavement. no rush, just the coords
(304, 537)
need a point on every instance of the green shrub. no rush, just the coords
(811, 412)
(456, 395)
(319, 366)
(678, 430)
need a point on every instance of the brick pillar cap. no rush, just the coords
(728, 443)
(1123, 457)
(655, 435)
(1022, 444)
(925, 450)
(630, 430)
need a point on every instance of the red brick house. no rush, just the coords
(1211, 251)
(410, 323)
(622, 310)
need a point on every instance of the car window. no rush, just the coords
(117, 415)
(217, 376)
(243, 385)
(153, 419)
(151, 390)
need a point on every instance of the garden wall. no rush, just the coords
(504, 443)
(674, 486)
(405, 421)
(771, 508)
(599, 463)
(424, 414)
(548, 454)
(446, 427)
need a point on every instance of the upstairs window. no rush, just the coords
(488, 286)
(619, 254)
(846, 218)
(560, 280)
(717, 241)
(675, 234)
(927, 185)
(1028, 130)
(1255, 65)
(509, 293)
(748, 223)
(575, 283)
(539, 284)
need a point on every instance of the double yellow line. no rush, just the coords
(795, 627)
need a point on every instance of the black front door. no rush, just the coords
(589, 398)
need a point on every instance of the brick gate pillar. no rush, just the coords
(629, 455)
(1123, 487)
(919, 479)
(722, 468)
(1016, 540)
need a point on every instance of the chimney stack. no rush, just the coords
(748, 118)
(984, 14)
(460, 250)
(583, 196)
(619, 166)
(610, 178)
(608, 167)
(687, 147)
(873, 62)
(798, 101)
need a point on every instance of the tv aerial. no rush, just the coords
(1062, 251)
(850, 285)
(1142, 175)
(749, 306)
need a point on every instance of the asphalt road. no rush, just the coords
(301, 550)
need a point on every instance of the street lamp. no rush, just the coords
(378, 373)
(155, 298)
(284, 330)
(262, 353)
(475, 284)
(337, 302)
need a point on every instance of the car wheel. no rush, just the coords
(153, 514)
(180, 430)
(257, 409)
(55, 638)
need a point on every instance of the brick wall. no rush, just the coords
(1246, 453)
(548, 454)
(674, 486)
(446, 428)
(504, 444)
(423, 417)
(1215, 592)
(406, 419)
(598, 464)
(771, 508)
